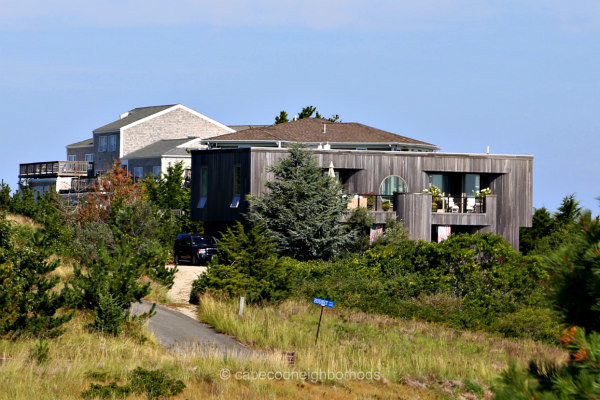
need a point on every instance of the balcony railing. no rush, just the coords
(459, 204)
(55, 168)
(370, 201)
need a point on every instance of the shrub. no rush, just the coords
(529, 322)
(245, 265)
(29, 302)
(154, 383)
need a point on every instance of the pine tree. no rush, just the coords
(302, 209)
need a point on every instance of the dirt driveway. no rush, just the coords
(182, 287)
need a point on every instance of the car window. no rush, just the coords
(198, 241)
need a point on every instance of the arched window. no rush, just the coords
(391, 185)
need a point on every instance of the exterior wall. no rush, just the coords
(414, 210)
(220, 165)
(146, 163)
(511, 183)
(166, 161)
(175, 124)
(103, 160)
(79, 152)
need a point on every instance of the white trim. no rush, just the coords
(176, 107)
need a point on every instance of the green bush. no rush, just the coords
(466, 282)
(245, 265)
(156, 384)
(529, 322)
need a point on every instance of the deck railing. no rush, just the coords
(459, 204)
(371, 201)
(59, 168)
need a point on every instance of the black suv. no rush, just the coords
(195, 249)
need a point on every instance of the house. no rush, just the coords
(144, 139)
(392, 169)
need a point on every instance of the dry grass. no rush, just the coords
(23, 220)
(401, 350)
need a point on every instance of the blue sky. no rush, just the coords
(522, 76)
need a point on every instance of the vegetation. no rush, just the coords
(246, 265)
(400, 350)
(29, 303)
(302, 209)
(576, 295)
(307, 112)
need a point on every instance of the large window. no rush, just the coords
(237, 186)
(71, 157)
(156, 170)
(102, 144)
(112, 143)
(472, 184)
(203, 187)
(390, 185)
(89, 157)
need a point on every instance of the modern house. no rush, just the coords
(145, 139)
(374, 167)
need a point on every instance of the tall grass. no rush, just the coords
(399, 349)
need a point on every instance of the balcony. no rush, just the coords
(379, 206)
(55, 169)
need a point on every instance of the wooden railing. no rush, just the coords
(58, 168)
(459, 204)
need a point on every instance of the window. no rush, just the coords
(102, 144)
(390, 185)
(138, 172)
(203, 187)
(89, 157)
(472, 184)
(237, 186)
(440, 181)
(112, 143)
(156, 170)
(71, 157)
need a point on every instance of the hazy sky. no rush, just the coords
(522, 76)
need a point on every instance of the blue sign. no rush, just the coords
(323, 302)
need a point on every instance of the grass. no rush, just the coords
(413, 352)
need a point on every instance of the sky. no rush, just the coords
(520, 76)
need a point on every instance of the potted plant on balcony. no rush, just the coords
(480, 194)
(386, 205)
(436, 197)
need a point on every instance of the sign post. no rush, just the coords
(323, 303)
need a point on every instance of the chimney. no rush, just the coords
(324, 128)
(124, 114)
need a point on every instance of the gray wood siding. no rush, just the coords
(511, 180)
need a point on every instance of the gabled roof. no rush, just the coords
(83, 143)
(311, 130)
(132, 116)
(161, 148)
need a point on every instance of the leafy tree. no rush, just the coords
(308, 111)
(246, 264)
(542, 225)
(303, 209)
(395, 233)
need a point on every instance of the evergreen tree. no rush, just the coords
(282, 117)
(302, 209)
(29, 302)
(246, 265)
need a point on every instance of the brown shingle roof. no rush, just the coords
(310, 130)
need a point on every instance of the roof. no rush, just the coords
(83, 143)
(167, 147)
(132, 116)
(311, 130)
(238, 128)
